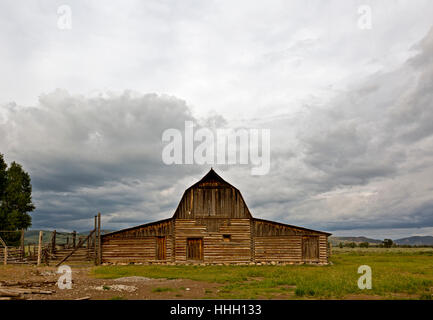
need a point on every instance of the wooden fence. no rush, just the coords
(73, 247)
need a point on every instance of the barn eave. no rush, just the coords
(137, 227)
(292, 226)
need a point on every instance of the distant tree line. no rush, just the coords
(15, 200)
(386, 243)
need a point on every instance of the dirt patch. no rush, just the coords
(84, 286)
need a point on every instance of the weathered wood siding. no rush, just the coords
(212, 198)
(278, 242)
(137, 244)
(215, 249)
(278, 249)
(323, 249)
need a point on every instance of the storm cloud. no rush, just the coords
(350, 111)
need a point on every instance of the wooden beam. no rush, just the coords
(5, 261)
(22, 244)
(40, 248)
(74, 238)
(94, 241)
(53, 242)
(99, 240)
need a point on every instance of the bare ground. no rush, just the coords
(85, 286)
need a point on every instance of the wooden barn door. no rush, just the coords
(194, 249)
(161, 248)
(310, 248)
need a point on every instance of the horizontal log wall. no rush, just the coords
(286, 249)
(133, 250)
(323, 249)
(278, 249)
(215, 249)
(137, 244)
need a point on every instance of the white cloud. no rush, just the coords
(349, 109)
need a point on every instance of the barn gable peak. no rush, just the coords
(211, 179)
(212, 197)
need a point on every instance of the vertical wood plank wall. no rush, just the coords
(222, 202)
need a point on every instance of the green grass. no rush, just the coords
(396, 273)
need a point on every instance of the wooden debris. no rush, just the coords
(84, 298)
(15, 292)
(26, 284)
(9, 293)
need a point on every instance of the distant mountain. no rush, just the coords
(32, 236)
(412, 241)
(416, 241)
(336, 240)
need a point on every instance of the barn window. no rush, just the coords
(227, 238)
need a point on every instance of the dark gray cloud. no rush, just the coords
(96, 154)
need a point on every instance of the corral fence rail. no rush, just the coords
(50, 247)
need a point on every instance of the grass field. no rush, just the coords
(396, 274)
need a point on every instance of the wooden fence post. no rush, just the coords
(99, 240)
(40, 248)
(94, 241)
(53, 242)
(5, 262)
(74, 237)
(23, 251)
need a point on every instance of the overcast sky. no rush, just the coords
(350, 109)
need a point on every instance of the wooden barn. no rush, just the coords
(212, 224)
